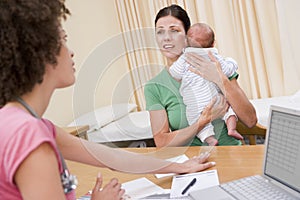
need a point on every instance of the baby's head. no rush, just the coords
(201, 35)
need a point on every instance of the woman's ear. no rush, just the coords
(186, 41)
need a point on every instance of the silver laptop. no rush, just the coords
(281, 166)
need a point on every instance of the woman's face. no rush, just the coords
(63, 72)
(170, 37)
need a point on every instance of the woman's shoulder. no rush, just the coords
(160, 77)
(17, 123)
(164, 83)
(20, 135)
(163, 79)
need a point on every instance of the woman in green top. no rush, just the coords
(164, 102)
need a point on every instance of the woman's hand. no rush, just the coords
(210, 70)
(111, 191)
(198, 163)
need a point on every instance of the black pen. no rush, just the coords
(189, 186)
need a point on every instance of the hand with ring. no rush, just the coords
(111, 191)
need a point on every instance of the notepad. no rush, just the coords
(204, 180)
(141, 187)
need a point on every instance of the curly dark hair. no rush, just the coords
(29, 38)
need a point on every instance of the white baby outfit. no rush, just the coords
(198, 92)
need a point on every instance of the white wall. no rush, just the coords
(92, 25)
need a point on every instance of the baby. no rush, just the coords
(196, 91)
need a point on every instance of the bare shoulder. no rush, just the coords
(40, 165)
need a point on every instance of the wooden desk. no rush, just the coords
(79, 131)
(233, 162)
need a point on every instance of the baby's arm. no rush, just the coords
(229, 65)
(179, 67)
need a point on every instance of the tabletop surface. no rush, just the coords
(232, 162)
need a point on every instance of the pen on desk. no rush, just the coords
(189, 186)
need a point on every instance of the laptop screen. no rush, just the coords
(283, 148)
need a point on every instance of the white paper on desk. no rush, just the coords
(204, 180)
(141, 187)
(177, 159)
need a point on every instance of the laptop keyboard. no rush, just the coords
(254, 187)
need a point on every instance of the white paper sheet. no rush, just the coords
(178, 159)
(203, 180)
(141, 187)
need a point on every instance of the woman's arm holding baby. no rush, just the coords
(211, 70)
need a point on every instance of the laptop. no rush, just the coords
(281, 165)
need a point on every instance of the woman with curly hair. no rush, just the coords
(34, 61)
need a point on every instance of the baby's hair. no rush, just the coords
(205, 36)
